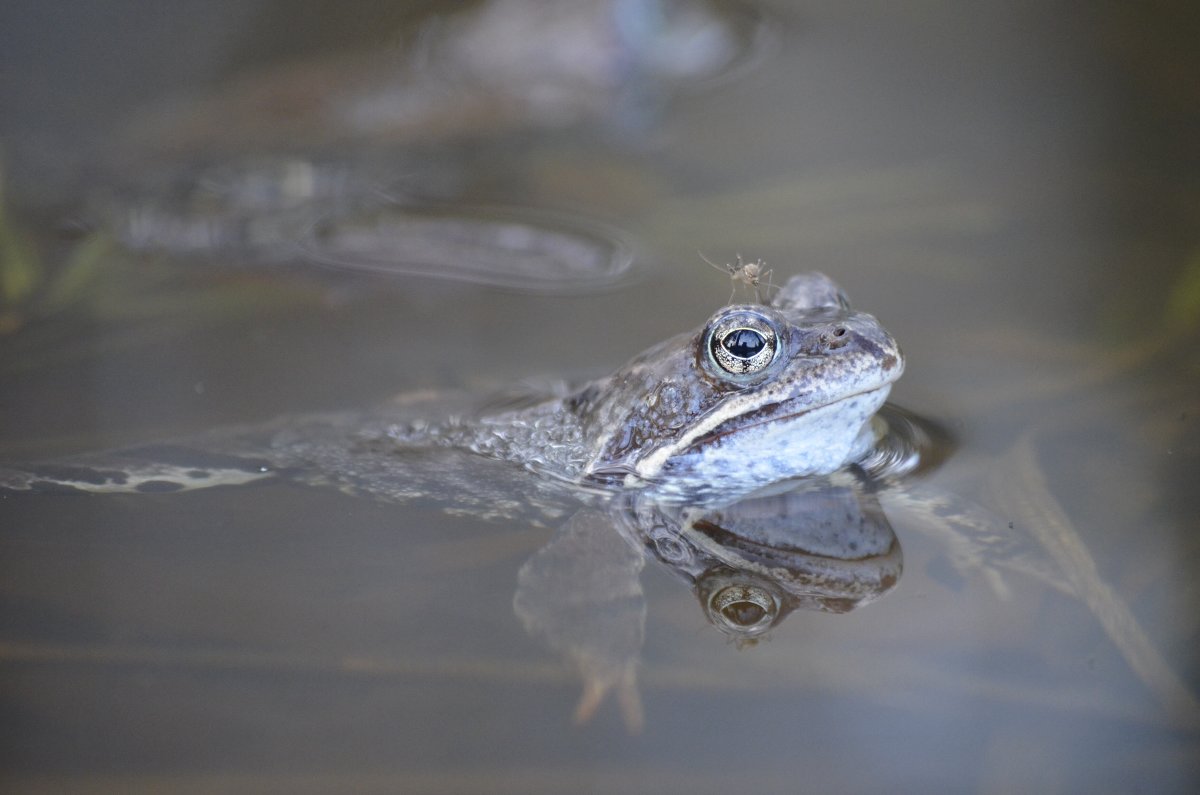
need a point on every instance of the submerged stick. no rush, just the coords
(1024, 487)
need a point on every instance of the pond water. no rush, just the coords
(1013, 190)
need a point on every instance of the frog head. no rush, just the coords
(758, 394)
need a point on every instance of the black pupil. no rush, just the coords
(744, 343)
(744, 614)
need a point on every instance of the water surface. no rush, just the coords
(1012, 191)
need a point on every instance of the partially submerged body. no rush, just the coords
(758, 395)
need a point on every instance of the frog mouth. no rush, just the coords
(779, 412)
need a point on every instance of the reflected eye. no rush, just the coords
(742, 344)
(743, 609)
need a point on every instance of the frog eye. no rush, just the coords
(743, 609)
(742, 343)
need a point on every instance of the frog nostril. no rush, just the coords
(834, 338)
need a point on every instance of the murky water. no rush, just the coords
(1012, 191)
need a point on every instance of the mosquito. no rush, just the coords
(750, 274)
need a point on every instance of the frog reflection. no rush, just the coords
(824, 545)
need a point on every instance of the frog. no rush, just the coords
(758, 395)
(687, 454)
